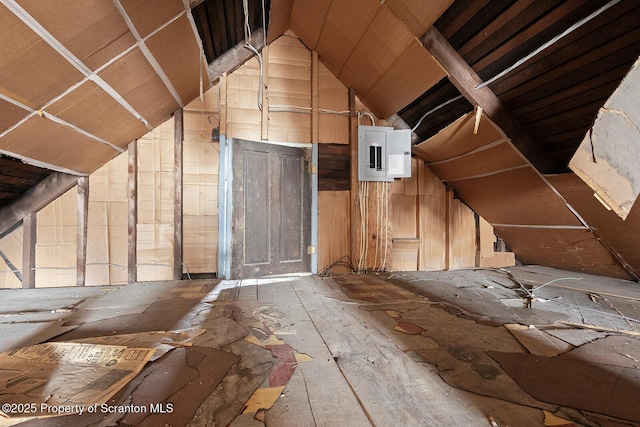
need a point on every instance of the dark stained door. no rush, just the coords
(271, 210)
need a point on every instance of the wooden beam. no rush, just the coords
(81, 240)
(465, 79)
(178, 137)
(132, 228)
(353, 174)
(222, 106)
(39, 196)
(29, 250)
(264, 129)
(236, 56)
(314, 98)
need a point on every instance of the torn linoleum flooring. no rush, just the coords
(418, 348)
(564, 343)
(221, 364)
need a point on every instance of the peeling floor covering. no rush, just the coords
(531, 346)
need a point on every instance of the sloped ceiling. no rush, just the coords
(372, 46)
(541, 70)
(80, 81)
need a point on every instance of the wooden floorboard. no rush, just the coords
(392, 388)
(406, 349)
(318, 394)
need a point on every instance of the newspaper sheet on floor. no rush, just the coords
(161, 341)
(62, 378)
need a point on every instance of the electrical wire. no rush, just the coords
(444, 104)
(247, 38)
(606, 313)
(368, 114)
(264, 22)
(188, 274)
(259, 56)
(549, 43)
(247, 27)
(344, 260)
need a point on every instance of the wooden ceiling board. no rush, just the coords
(18, 173)
(599, 89)
(458, 138)
(540, 80)
(418, 15)
(621, 235)
(177, 52)
(529, 38)
(22, 49)
(409, 77)
(91, 108)
(574, 250)
(10, 115)
(459, 14)
(307, 19)
(94, 33)
(279, 18)
(493, 159)
(345, 24)
(54, 144)
(503, 24)
(137, 82)
(516, 197)
(149, 15)
(384, 41)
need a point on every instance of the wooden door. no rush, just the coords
(271, 210)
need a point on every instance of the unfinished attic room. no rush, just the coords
(320, 213)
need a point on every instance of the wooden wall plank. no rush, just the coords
(333, 228)
(333, 167)
(462, 237)
(353, 148)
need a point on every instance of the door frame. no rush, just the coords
(225, 202)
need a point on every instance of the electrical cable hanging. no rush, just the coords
(247, 27)
(247, 45)
(264, 23)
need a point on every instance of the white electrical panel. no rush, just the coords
(383, 153)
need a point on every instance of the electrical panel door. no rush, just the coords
(383, 153)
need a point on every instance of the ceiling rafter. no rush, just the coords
(466, 81)
(236, 56)
(35, 199)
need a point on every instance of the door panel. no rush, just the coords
(271, 210)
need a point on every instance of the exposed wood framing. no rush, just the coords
(314, 98)
(29, 250)
(353, 194)
(178, 138)
(236, 56)
(45, 192)
(222, 108)
(466, 80)
(83, 217)
(132, 228)
(264, 130)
